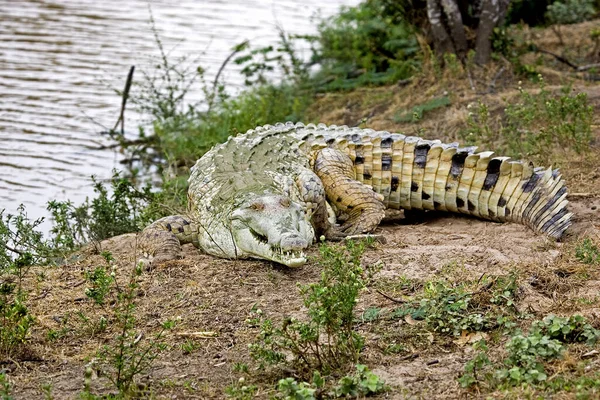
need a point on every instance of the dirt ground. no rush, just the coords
(211, 298)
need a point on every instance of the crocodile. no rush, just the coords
(271, 192)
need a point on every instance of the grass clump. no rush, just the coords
(536, 123)
(587, 252)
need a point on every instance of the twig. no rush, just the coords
(492, 85)
(582, 195)
(578, 68)
(410, 357)
(432, 362)
(470, 79)
(390, 298)
(124, 100)
(7, 247)
(236, 50)
(201, 335)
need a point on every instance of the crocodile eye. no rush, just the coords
(285, 202)
(257, 206)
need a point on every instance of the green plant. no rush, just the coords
(567, 330)
(535, 126)
(570, 11)
(240, 390)
(289, 388)
(5, 387)
(587, 252)
(453, 309)
(371, 43)
(527, 353)
(126, 209)
(363, 383)
(128, 354)
(21, 246)
(327, 340)
(360, 384)
(100, 280)
(475, 366)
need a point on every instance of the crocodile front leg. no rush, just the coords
(362, 208)
(162, 240)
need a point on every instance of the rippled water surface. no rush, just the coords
(60, 59)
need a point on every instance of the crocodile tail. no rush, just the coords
(498, 189)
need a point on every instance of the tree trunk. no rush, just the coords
(442, 43)
(456, 27)
(492, 13)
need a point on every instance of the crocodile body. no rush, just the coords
(270, 192)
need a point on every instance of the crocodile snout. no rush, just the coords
(293, 242)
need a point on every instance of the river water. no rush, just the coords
(60, 61)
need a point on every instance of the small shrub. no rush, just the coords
(570, 11)
(122, 209)
(21, 246)
(371, 43)
(327, 340)
(128, 354)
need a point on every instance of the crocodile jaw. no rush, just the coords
(255, 246)
(272, 227)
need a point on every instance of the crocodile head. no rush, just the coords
(272, 227)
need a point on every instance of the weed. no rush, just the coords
(535, 125)
(475, 366)
(451, 309)
(587, 252)
(527, 353)
(371, 314)
(240, 367)
(189, 346)
(21, 246)
(129, 354)
(100, 280)
(289, 388)
(5, 388)
(361, 384)
(327, 341)
(241, 391)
